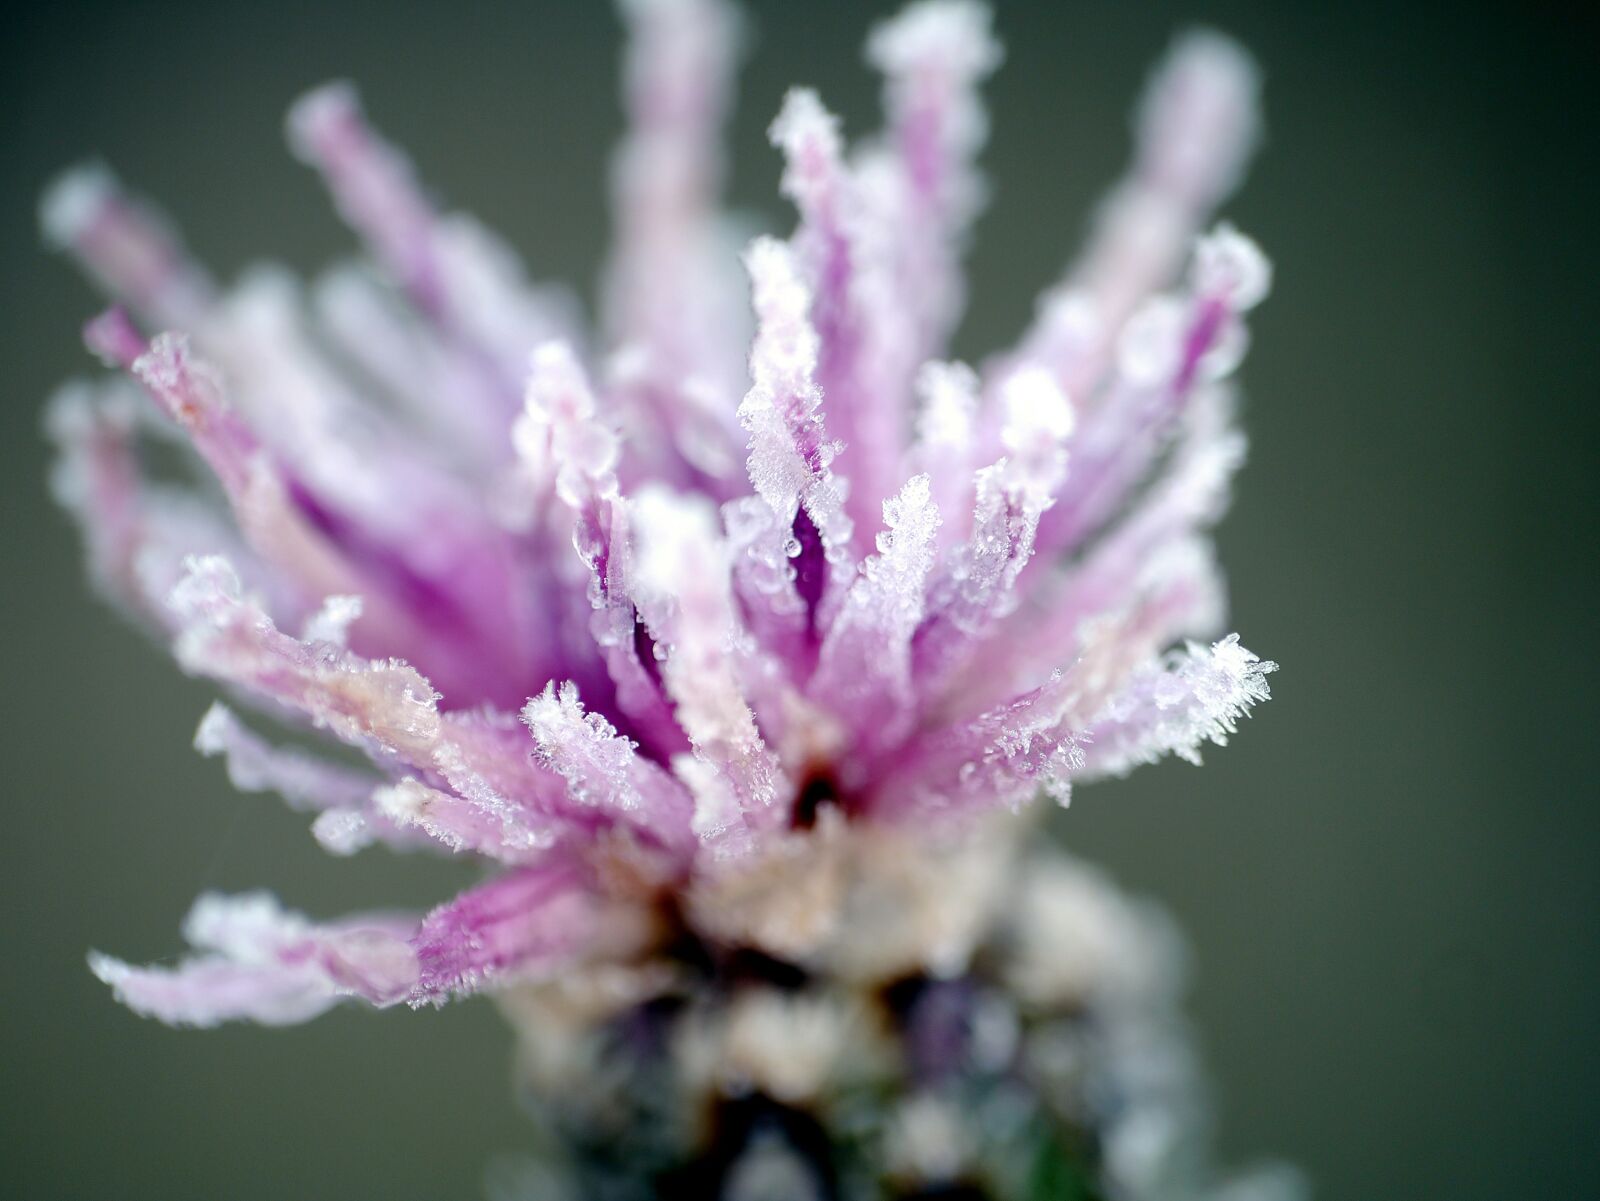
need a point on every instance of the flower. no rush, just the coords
(838, 608)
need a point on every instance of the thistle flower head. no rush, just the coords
(752, 633)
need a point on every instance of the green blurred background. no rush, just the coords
(1390, 878)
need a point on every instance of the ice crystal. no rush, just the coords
(796, 622)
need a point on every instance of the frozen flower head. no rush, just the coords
(732, 635)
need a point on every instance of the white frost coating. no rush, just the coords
(1038, 421)
(343, 832)
(684, 594)
(331, 623)
(584, 747)
(1230, 266)
(1150, 348)
(845, 249)
(342, 448)
(945, 440)
(789, 449)
(998, 759)
(1158, 547)
(457, 274)
(975, 587)
(1028, 748)
(247, 927)
(489, 290)
(136, 533)
(559, 431)
(305, 410)
(499, 803)
(411, 803)
(946, 39)
(368, 325)
(949, 401)
(1069, 330)
(602, 769)
(813, 173)
(560, 434)
(74, 201)
(1197, 696)
(227, 635)
(865, 664)
(1194, 492)
(462, 823)
(262, 963)
(760, 546)
(307, 562)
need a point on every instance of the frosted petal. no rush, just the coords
(560, 434)
(975, 588)
(855, 341)
(602, 769)
(790, 451)
(1155, 558)
(933, 56)
(517, 926)
(261, 963)
(945, 447)
(287, 527)
(254, 765)
(467, 283)
(1169, 357)
(371, 328)
(673, 297)
(1196, 128)
(124, 246)
(685, 596)
(1196, 696)
(385, 706)
(136, 534)
(460, 823)
(864, 673)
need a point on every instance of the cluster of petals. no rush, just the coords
(617, 610)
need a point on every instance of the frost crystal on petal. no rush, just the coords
(1197, 696)
(258, 962)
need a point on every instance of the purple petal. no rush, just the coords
(603, 770)
(1196, 696)
(790, 452)
(560, 434)
(933, 56)
(684, 593)
(518, 926)
(864, 671)
(261, 963)
(125, 247)
(674, 302)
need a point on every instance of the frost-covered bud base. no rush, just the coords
(1046, 1059)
